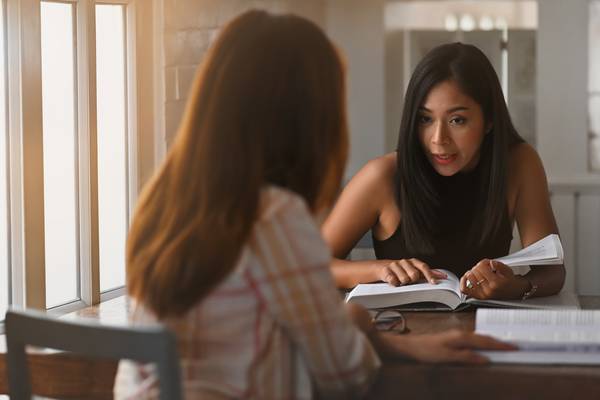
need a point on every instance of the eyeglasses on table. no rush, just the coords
(390, 320)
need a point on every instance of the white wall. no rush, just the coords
(357, 27)
(562, 134)
(562, 86)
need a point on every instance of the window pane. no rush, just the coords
(112, 139)
(4, 275)
(58, 101)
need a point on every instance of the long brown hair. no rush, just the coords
(267, 107)
(416, 192)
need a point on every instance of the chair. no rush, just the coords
(142, 344)
(365, 242)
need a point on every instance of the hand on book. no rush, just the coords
(407, 271)
(447, 347)
(493, 280)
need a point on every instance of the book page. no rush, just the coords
(543, 357)
(546, 251)
(382, 295)
(568, 330)
(452, 283)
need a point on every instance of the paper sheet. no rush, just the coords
(547, 251)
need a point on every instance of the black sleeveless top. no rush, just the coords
(454, 248)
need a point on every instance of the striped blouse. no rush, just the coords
(274, 329)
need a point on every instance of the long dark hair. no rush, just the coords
(416, 193)
(267, 107)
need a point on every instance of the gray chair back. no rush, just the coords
(365, 242)
(143, 344)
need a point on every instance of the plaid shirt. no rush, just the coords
(274, 329)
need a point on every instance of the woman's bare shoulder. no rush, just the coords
(525, 163)
(380, 169)
(374, 182)
(523, 155)
(522, 152)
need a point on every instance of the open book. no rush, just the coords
(543, 336)
(547, 251)
(447, 295)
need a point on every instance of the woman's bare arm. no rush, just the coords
(534, 216)
(356, 211)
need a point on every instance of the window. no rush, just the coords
(112, 143)
(67, 146)
(67, 120)
(59, 136)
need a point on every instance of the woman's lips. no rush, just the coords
(443, 159)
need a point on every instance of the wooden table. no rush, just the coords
(70, 377)
(499, 381)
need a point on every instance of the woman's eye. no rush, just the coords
(424, 119)
(458, 120)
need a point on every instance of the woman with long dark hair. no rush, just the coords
(224, 249)
(450, 194)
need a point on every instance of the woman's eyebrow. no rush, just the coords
(458, 108)
(451, 110)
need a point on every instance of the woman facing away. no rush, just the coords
(224, 249)
(450, 194)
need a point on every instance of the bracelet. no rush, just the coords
(531, 291)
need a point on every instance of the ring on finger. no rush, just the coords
(469, 284)
(492, 266)
(479, 282)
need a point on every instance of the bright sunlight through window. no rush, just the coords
(112, 143)
(59, 116)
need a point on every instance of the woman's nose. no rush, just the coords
(440, 135)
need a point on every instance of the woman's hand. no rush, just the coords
(407, 271)
(447, 347)
(493, 280)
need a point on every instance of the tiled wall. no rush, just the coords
(189, 26)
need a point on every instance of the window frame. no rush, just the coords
(25, 145)
(6, 176)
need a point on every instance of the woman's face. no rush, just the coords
(451, 129)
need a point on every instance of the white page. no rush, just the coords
(539, 328)
(543, 336)
(545, 251)
(452, 283)
(542, 357)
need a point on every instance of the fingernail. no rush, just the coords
(433, 282)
